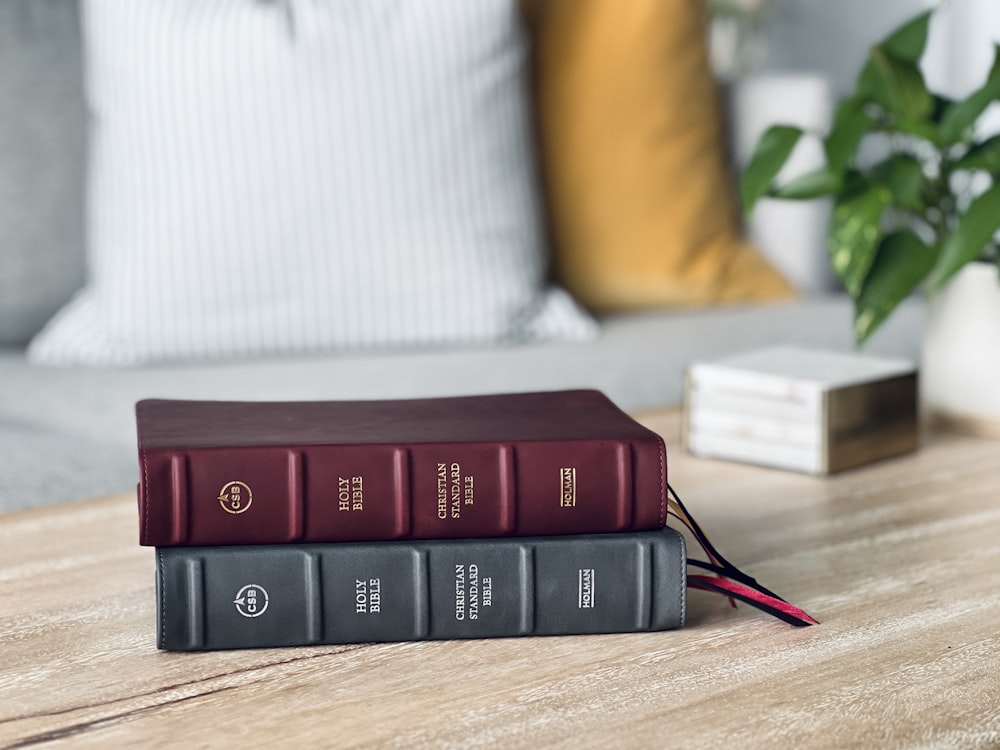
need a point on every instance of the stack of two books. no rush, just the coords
(281, 524)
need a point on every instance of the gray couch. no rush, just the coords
(68, 433)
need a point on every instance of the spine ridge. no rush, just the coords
(527, 574)
(508, 494)
(626, 491)
(644, 586)
(194, 571)
(313, 599)
(421, 596)
(296, 498)
(179, 498)
(402, 469)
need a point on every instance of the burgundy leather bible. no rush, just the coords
(561, 462)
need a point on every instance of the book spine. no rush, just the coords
(336, 493)
(293, 595)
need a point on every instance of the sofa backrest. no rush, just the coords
(42, 163)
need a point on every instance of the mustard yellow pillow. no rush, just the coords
(642, 205)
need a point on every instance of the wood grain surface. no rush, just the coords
(900, 561)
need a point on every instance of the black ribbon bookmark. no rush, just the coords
(728, 579)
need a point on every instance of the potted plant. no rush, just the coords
(922, 211)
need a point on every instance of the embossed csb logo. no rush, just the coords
(235, 497)
(251, 600)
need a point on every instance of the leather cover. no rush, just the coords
(290, 595)
(561, 462)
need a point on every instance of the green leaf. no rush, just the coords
(975, 228)
(850, 124)
(904, 176)
(768, 158)
(961, 116)
(901, 263)
(919, 128)
(908, 41)
(810, 185)
(985, 156)
(855, 230)
(941, 105)
(896, 85)
(854, 183)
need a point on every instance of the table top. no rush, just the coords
(900, 561)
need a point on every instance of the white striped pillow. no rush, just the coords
(298, 175)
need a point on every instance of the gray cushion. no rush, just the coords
(42, 155)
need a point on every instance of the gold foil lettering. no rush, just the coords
(343, 493)
(473, 592)
(459, 592)
(357, 494)
(456, 491)
(442, 490)
(567, 487)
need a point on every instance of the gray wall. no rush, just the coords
(831, 36)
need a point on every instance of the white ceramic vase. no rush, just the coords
(791, 234)
(960, 370)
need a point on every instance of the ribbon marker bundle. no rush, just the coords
(728, 579)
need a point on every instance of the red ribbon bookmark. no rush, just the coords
(728, 579)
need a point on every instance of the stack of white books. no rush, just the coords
(811, 411)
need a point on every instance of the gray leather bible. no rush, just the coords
(290, 595)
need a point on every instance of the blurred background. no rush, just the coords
(788, 61)
(301, 199)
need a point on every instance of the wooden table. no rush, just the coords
(900, 561)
